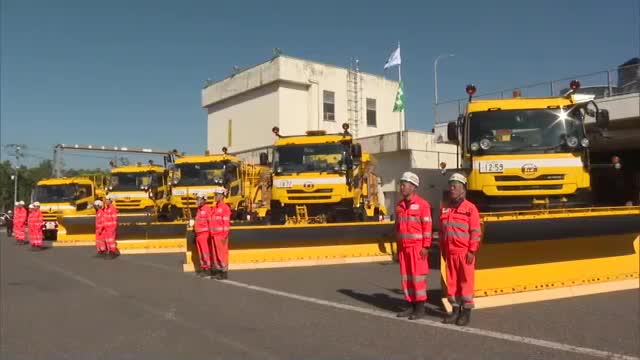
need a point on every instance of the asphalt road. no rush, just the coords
(62, 303)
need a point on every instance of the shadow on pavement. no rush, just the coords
(395, 304)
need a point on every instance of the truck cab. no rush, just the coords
(525, 153)
(64, 197)
(319, 177)
(141, 189)
(195, 174)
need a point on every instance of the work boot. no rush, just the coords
(453, 317)
(223, 275)
(212, 273)
(408, 311)
(100, 254)
(419, 311)
(112, 255)
(465, 317)
(203, 273)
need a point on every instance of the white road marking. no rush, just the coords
(469, 330)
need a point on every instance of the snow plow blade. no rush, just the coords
(540, 255)
(74, 229)
(253, 247)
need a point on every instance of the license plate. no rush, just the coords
(491, 167)
(50, 225)
(283, 183)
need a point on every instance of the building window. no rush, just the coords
(329, 106)
(371, 112)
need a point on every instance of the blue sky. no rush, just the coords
(130, 72)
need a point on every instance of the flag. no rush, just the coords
(399, 104)
(394, 59)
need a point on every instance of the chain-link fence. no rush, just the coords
(623, 80)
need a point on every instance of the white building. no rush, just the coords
(299, 95)
(296, 95)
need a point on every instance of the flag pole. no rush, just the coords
(401, 114)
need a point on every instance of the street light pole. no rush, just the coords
(15, 186)
(435, 85)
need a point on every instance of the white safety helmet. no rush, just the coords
(17, 203)
(31, 206)
(36, 204)
(21, 202)
(459, 178)
(201, 195)
(220, 190)
(97, 203)
(411, 178)
(109, 197)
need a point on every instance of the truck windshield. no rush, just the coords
(309, 158)
(55, 193)
(524, 131)
(133, 181)
(198, 174)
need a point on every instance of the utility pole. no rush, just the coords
(16, 149)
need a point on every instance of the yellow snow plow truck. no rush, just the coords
(141, 192)
(66, 196)
(194, 174)
(528, 166)
(323, 178)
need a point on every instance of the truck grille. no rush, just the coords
(546, 177)
(128, 204)
(317, 191)
(529, 187)
(49, 216)
(309, 197)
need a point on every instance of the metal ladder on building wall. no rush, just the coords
(354, 92)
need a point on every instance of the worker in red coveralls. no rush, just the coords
(202, 228)
(101, 245)
(110, 225)
(19, 223)
(220, 228)
(35, 226)
(413, 235)
(460, 235)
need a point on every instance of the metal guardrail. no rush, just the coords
(602, 84)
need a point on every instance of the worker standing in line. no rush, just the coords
(110, 213)
(460, 235)
(413, 236)
(220, 228)
(35, 226)
(8, 222)
(202, 228)
(101, 245)
(19, 223)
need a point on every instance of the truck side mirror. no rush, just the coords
(356, 151)
(264, 158)
(452, 132)
(602, 119)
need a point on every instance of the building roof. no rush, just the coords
(292, 58)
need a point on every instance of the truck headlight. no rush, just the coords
(584, 142)
(572, 141)
(485, 144)
(475, 146)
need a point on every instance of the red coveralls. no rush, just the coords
(460, 233)
(101, 245)
(19, 223)
(413, 232)
(220, 227)
(110, 227)
(35, 228)
(202, 228)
